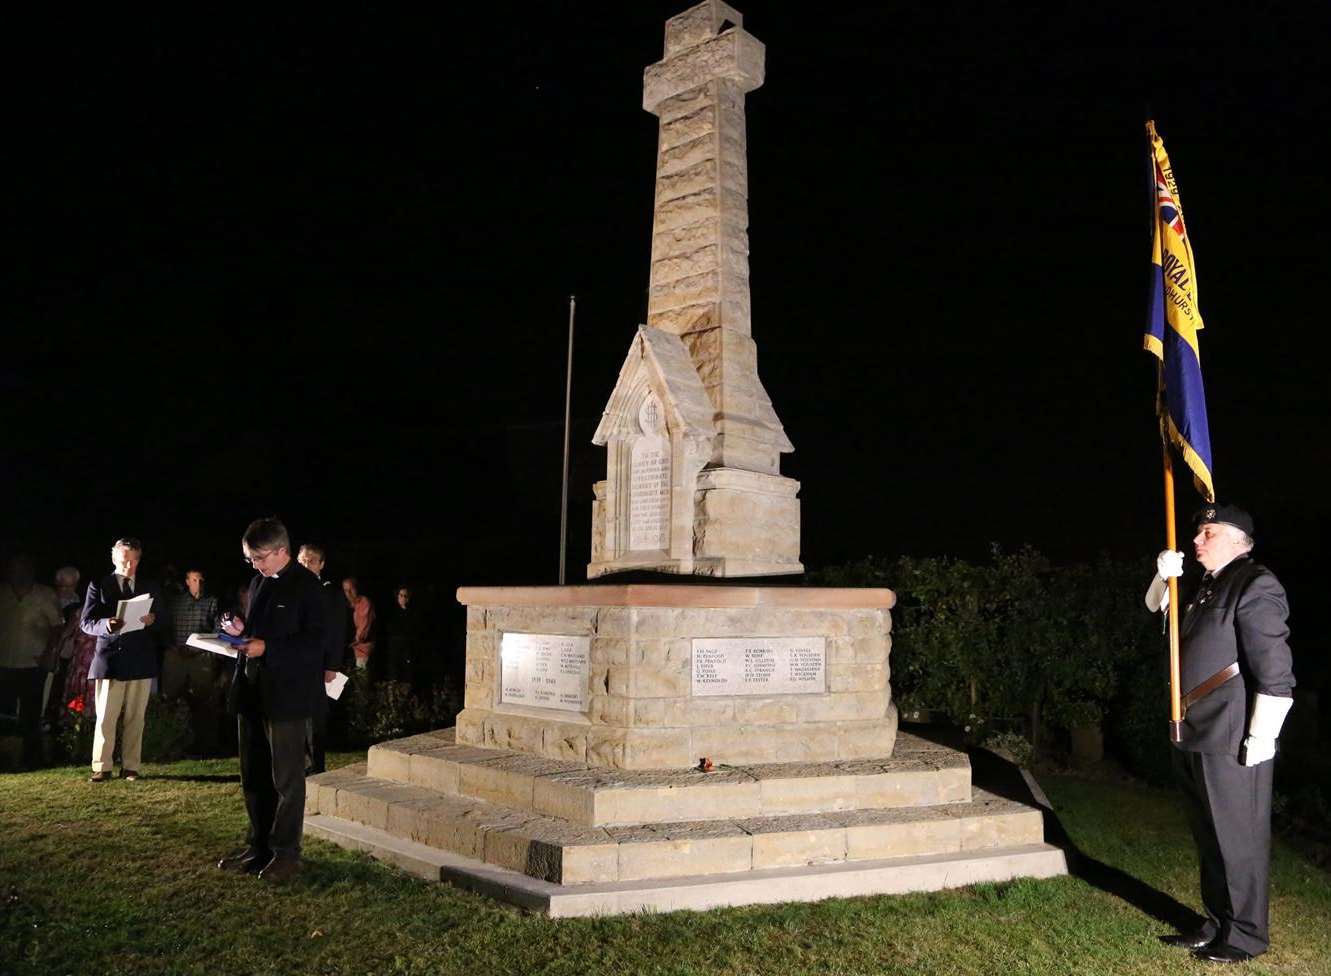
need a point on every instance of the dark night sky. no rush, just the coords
(320, 267)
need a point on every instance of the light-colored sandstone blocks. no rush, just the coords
(650, 705)
(693, 444)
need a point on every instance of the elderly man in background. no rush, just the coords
(1237, 675)
(67, 587)
(125, 661)
(191, 674)
(29, 620)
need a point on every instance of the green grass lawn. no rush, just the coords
(119, 878)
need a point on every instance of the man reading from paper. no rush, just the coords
(277, 685)
(118, 612)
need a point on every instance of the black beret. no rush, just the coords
(1225, 515)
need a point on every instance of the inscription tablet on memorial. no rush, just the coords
(759, 666)
(649, 494)
(545, 670)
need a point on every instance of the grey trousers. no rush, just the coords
(1229, 810)
(272, 777)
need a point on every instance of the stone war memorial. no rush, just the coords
(628, 746)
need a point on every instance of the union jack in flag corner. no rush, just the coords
(1173, 324)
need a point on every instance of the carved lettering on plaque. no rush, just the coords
(546, 670)
(759, 665)
(649, 481)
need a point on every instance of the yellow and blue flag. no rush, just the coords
(1171, 331)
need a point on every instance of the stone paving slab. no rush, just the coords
(918, 773)
(698, 892)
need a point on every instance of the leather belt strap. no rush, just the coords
(1210, 685)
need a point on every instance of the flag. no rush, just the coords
(1174, 321)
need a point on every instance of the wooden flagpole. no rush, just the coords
(1171, 537)
(1171, 542)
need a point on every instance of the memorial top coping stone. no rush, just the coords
(657, 595)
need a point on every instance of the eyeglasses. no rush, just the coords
(256, 557)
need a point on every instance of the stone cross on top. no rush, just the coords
(705, 494)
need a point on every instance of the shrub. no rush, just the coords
(379, 710)
(167, 732)
(1011, 746)
(1015, 639)
(1138, 729)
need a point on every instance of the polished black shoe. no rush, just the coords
(280, 870)
(245, 861)
(1188, 940)
(1219, 952)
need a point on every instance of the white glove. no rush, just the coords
(1268, 715)
(1169, 563)
(1257, 749)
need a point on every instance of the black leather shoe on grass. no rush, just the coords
(280, 870)
(1222, 953)
(1188, 940)
(245, 861)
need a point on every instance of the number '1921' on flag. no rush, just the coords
(1173, 324)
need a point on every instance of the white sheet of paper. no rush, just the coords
(334, 687)
(210, 642)
(131, 611)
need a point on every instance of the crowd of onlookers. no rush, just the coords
(46, 651)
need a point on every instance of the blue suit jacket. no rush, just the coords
(122, 656)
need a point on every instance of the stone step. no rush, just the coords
(804, 883)
(566, 853)
(920, 773)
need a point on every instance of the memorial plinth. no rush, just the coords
(573, 785)
(674, 674)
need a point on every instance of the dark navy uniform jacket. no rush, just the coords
(1240, 615)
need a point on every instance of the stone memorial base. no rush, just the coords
(662, 676)
(565, 838)
(634, 747)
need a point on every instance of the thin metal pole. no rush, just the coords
(568, 404)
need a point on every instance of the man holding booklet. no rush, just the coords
(118, 611)
(278, 683)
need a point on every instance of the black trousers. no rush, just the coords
(1229, 810)
(317, 735)
(272, 777)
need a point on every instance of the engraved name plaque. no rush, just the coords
(759, 665)
(546, 670)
